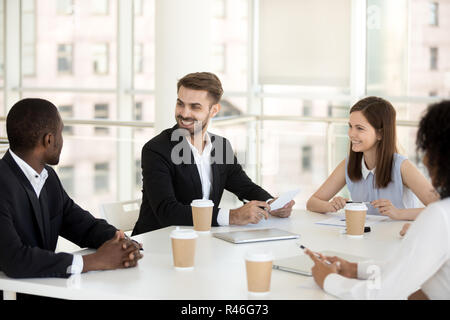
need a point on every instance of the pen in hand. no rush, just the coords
(315, 253)
(365, 202)
(262, 215)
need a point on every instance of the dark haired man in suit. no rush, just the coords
(186, 162)
(35, 209)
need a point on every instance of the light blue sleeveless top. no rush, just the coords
(365, 190)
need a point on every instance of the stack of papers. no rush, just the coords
(338, 220)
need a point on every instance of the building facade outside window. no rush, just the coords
(101, 178)
(100, 7)
(101, 111)
(434, 56)
(434, 14)
(307, 158)
(139, 58)
(29, 38)
(65, 58)
(64, 7)
(100, 53)
(67, 176)
(66, 112)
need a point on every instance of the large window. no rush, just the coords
(230, 43)
(2, 47)
(407, 48)
(29, 38)
(68, 55)
(69, 44)
(290, 70)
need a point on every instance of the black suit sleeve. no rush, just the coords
(159, 190)
(80, 227)
(18, 260)
(240, 184)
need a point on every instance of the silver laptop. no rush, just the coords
(302, 264)
(255, 235)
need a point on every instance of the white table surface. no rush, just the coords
(219, 271)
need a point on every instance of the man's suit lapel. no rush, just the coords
(195, 176)
(43, 200)
(29, 191)
(190, 167)
(215, 171)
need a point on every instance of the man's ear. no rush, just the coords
(215, 109)
(47, 140)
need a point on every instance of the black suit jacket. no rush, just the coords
(29, 227)
(170, 186)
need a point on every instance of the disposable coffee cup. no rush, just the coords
(183, 248)
(355, 219)
(202, 215)
(259, 271)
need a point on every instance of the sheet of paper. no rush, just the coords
(283, 199)
(338, 220)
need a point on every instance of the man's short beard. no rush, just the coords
(199, 126)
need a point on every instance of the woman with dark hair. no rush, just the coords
(423, 259)
(374, 171)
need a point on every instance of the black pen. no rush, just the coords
(365, 202)
(366, 229)
(315, 253)
(265, 209)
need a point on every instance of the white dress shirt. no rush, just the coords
(37, 182)
(422, 262)
(203, 162)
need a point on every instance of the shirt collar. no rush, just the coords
(365, 172)
(206, 149)
(29, 172)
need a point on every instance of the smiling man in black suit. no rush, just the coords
(186, 162)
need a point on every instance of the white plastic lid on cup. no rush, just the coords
(183, 234)
(259, 256)
(355, 206)
(202, 203)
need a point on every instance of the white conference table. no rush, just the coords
(219, 272)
